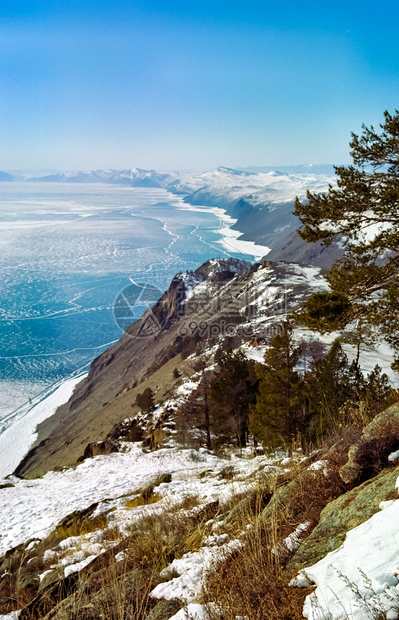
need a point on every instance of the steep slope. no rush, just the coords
(200, 529)
(294, 249)
(200, 309)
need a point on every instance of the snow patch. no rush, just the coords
(191, 569)
(393, 456)
(73, 568)
(361, 576)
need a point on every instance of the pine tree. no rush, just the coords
(327, 386)
(230, 394)
(277, 415)
(146, 401)
(363, 212)
(193, 417)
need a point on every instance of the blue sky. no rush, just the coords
(184, 85)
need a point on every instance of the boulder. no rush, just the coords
(98, 447)
(369, 454)
(79, 522)
(343, 514)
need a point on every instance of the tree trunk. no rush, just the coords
(207, 424)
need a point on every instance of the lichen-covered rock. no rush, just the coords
(343, 514)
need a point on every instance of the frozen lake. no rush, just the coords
(66, 251)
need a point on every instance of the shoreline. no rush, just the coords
(20, 434)
(18, 438)
(230, 238)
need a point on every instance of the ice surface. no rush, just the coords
(66, 252)
(16, 440)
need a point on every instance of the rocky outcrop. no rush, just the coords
(370, 453)
(98, 447)
(343, 514)
(199, 309)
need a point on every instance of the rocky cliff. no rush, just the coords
(222, 299)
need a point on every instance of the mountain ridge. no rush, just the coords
(224, 297)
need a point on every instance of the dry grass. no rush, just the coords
(253, 582)
(163, 537)
(14, 585)
(114, 593)
(120, 590)
(142, 501)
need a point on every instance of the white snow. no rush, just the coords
(393, 456)
(186, 388)
(42, 575)
(32, 508)
(317, 465)
(272, 188)
(16, 440)
(255, 353)
(193, 611)
(73, 568)
(293, 541)
(361, 576)
(191, 570)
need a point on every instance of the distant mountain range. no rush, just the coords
(4, 176)
(301, 169)
(241, 181)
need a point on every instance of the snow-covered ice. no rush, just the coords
(16, 440)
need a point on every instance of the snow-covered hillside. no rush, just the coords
(226, 184)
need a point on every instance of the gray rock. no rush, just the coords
(343, 514)
(381, 437)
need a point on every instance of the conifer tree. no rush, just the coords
(277, 415)
(230, 395)
(363, 212)
(327, 386)
(145, 401)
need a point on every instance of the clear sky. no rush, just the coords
(175, 84)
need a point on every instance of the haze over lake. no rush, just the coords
(66, 251)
